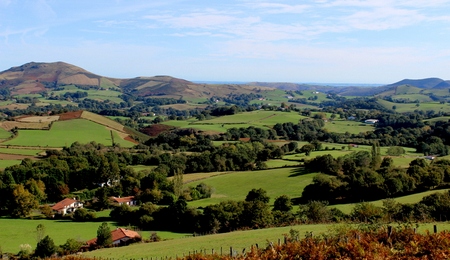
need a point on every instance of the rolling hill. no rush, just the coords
(35, 77)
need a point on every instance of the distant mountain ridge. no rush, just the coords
(36, 77)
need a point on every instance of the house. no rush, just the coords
(130, 201)
(119, 236)
(67, 205)
(371, 121)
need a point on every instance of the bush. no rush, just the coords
(45, 248)
(82, 215)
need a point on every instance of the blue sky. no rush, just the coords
(339, 41)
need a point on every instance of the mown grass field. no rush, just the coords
(15, 232)
(20, 151)
(236, 185)
(64, 133)
(4, 134)
(7, 163)
(237, 240)
(259, 118)
(343, 126)
(409, 199)
(410, 107)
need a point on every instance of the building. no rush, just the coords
(67, 205)
(371, 121)
(119, 236)
(130, 201)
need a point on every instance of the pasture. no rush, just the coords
(64, 133)
(410, 107)
(343, 126)
(7, 163)
(259, 118)
(236, 185)
(408, 199)
(238, 240)
(4, 134)
(23, 231)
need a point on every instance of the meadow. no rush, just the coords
(410, 107)
(344, 126)
(15, 232)
(236, 185)
(408, 199)
(238, 240)
(259, 118)
(64, 133)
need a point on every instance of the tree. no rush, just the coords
(22, 203)
(45, 248)
(282, 203)
(104, 236)
(71, 246)
(395, 151)
(40, 231)
(257, 195)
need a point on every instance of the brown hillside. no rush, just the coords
(35, 77)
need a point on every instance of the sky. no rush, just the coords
(321, 41)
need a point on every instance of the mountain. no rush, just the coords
(36, 77)
(428, 83)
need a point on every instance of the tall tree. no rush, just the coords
(45, 248)
(104, 236)
(22, 203)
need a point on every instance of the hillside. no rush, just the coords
(60, 77)
(35, 77)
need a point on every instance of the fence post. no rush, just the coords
(389, 231)
(279, 242)
(220, 250)
(435, 228)
(231, 251)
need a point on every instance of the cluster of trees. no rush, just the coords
(362, 176)
(253, 212)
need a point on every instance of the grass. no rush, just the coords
(236, 185)
(4, 134)
(177, 247)
(343, 126)
(20, 151)
(280, 163)
(259, 118)
(23, 231)
(237, 240)
(409, 199)
(411, 107)
(64, 133)
(7, 163)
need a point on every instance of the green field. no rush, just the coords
(20, 151)
(4, 134)
(277, 163)
(343, 126)
(237, 240)
(409, 199)
(15, 232)
(7, 163)
(260, 118)
(410, 107)
(64, 133)
(236, 185)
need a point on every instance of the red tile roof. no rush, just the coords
(117, 234)
(123, 200)
(64, 203)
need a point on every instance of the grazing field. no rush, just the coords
(410, 107)
(238, 240)
(64, 133)
(4, 134)
(409, 199)
(102, 120)
(23, 231)
(343, 126)
(441, 118)
(32, 152)
(280, 163)
(236, 185)
(7, 163)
